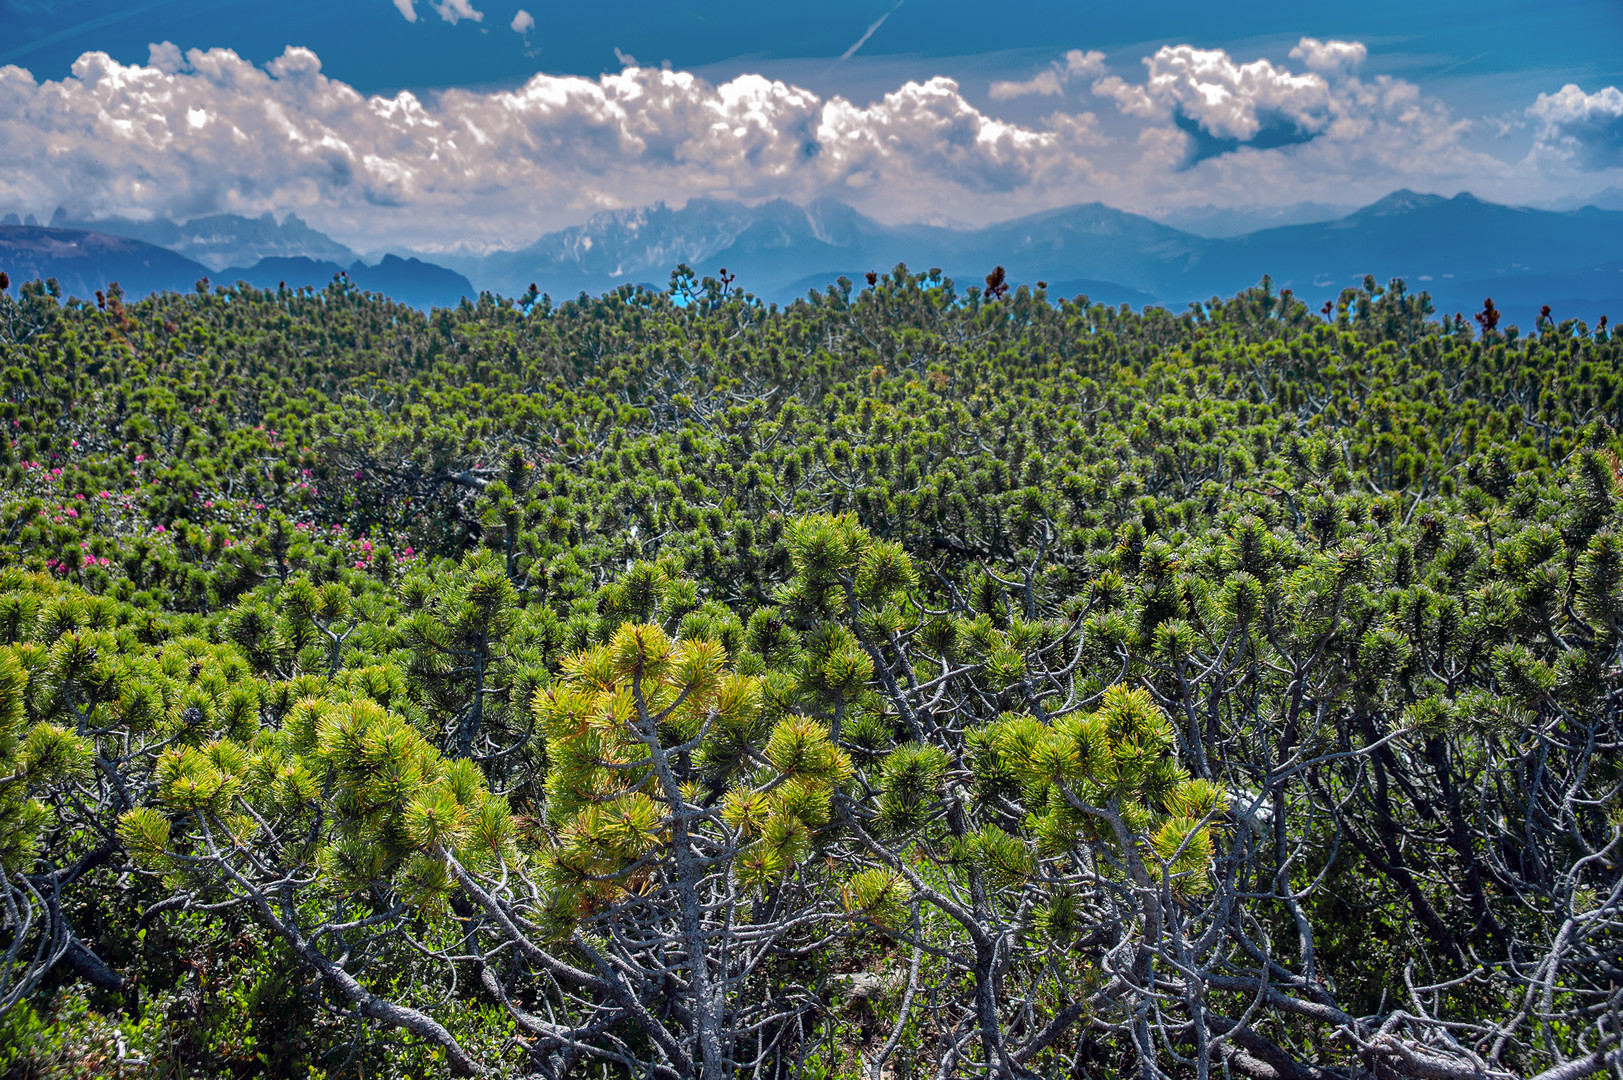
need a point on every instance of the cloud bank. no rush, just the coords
(208, 131)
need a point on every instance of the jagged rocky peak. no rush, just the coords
(219, 240)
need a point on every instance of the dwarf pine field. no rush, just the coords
(910, 682)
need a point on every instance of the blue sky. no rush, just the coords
(1466, 47)
(1016, 106)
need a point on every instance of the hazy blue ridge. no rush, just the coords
(84, 263)
(1217, 222)
(221, 240)
(408, 280)
(1461, 250)
(1451, 248)
(1455, 248)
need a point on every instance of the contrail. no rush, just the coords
(107, 20)
(1461, 64)
(863, 40)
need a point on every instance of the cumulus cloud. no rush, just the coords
(1046, 81)
(928, 130)
(1129, 98)
(523, 22)
(408, 8)
(1052, 79)
(1210, 110)
(1580, 130)
(220, 134)
(1330, 58)
(165, 56)
(454, 11)
(1235, 101)
(1082, 65)
(207, 131)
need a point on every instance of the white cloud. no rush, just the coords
(523, 22)
(1579, 130)
(1130, 99)
(1233, 124)
(225, 135)
(927, 131)
(454, 11)
(209, 132)
(1231, 100)
(1044, 82)
(165, 56)
(1052, 79)
(408, 8)
(1330, 58)
(1084, 65)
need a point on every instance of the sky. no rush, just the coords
(472, 124)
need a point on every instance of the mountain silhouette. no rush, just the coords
(1459, 249)
(410, 281)
(84, 263)
(221, 240)
(778, 249)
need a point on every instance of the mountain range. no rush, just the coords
(86, 261)
(219, 241)
(1460, 249)
(778, 249)
(1216, 222)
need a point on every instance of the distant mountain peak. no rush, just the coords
(1404, 201)
(1223, 222)
(1610, 199)
(935, 219)
(220, 240)
(85, 262)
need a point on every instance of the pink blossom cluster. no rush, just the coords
(363, 550)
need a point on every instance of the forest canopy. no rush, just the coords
(911, 681)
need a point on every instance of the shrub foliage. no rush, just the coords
(901, 683)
